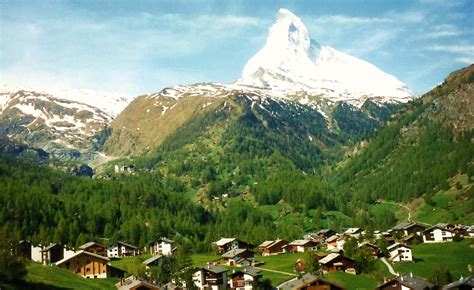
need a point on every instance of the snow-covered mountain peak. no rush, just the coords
(292, 62)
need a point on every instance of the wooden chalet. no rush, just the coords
(406, 282)
(309, 282)
(226, 244)
(337, 263)
(210, 277)
(268, 248)
(121, 249)
(374, 250)
(52, 254)
(302, 246)
(244, 279)
(299, 266)
(331, 242)
(238, 257)
(22, 249)
(95, 248)
(325, 233)
(90, 265)
(406, 228)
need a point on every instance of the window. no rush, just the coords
(88, 270)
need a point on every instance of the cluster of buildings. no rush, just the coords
(92, 260)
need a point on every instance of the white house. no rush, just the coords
(437, 234)
(301, 246)
(162, 246)
(211, 277)
(121, 249)
(245, 279)
(400, 253)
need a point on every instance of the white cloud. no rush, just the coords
(467, 49)
(351, 20)
(465, 59)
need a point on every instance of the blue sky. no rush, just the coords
(134, 47)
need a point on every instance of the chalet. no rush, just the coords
(399, 253)
(90, 265)
(301, 246)
(135, 283)
(309, 282)
(410, 239)
(437, 234)
(245, 279)
(331, 242)
(374, 250)
(238, 257)
(406, 282)
(462, 284)
(94, 248)
(210, 277)
(226, 244)
(325, 233)
(406, 228)
(153, 261)
(299, 265)
(337, 263)
(353, 232)
(51, 254)
(268, 248)
(163, 246)
(121, 249)
(22, 249)
(125, 168)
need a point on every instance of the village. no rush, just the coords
(238, 268)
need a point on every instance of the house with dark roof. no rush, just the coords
(153, 261)
(51, 254)
(226, 244)
(268, 248)
(135, 283)
(374, 250)
(462, 284)
(238, 257)
(325, 233)
(406, 282)
(438, 234)
(301, 246)
(337, 263)
(399, 253)
(309, 282)
(93, 247)
(121, 249)
(247, 278)
(406, 228)
(210, 277)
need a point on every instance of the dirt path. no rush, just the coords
(276, 271)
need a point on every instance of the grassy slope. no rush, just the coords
(51, 277)
(455, 256)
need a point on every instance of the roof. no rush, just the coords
(133, 282)
(438, 226)
(329, 258)
(468, 281)
(214, 269)
(403, 225)
(368, 244)
(352, 231)
(323, 231)
(81, 252)
(300, 242)
(152, 259)
(301, 282)
(233, 253)
(170, 285)
(249, 271)
(332, 238)
(90, 244)
(396, 245)
(125, 244)
(224, 241)
(50, 247)
(410, 281)
(265, 244)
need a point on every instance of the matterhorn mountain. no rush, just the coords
(292, 87)
(291, 61)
